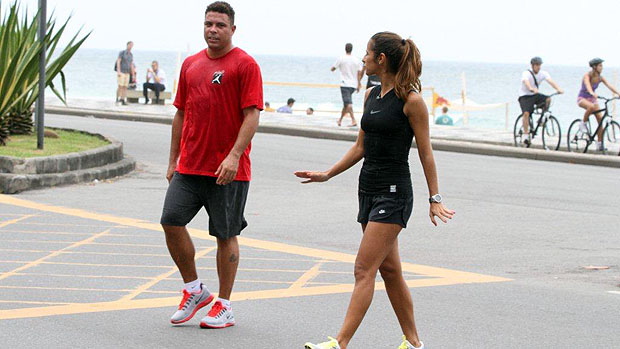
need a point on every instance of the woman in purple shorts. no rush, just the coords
(587, 98)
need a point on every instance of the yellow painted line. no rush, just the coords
(53, 254)
(307, 276)
(160, 277)
(86, 276)
(431, 276)
(93, 243)
(36, 232)
(16, 220)
(173, 301)
(34, 302)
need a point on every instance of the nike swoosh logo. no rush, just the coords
(374, 112)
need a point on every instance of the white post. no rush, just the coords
(464, 98)
(507, 116)
(614, 84)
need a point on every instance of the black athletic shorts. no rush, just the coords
(385, 208)
(528, 103)
(347, 95)
(224, 204)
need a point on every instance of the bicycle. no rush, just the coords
(579, 141)
(551, 131)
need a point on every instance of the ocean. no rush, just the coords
(90, 75)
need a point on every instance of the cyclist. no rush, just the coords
(587, 98)
(529, 96)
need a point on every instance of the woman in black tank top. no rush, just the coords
(392, 112)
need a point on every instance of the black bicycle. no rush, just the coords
(579, 141)
(551, 131)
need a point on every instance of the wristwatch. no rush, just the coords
(435, 199)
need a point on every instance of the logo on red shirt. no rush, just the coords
(217, 77)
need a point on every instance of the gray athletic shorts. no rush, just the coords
(347, 95)
(224, 204)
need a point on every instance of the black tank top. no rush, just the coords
(387, 141)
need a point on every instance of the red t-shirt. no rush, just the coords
(213, 94)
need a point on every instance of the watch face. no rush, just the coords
(437, 198)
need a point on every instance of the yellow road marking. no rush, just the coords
(93, 243)
(307, 276)
(34, 302)
(13, 221)
(160, 277)
(53, 254)
(431, 276)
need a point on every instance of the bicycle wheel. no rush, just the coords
(577, 141)
(611, 138)
(518, 135)
(552, 134)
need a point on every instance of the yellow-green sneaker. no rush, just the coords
(330, 344)
(406, 345)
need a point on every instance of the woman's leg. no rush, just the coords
(398, 292)
(377, 243)
(588, 106)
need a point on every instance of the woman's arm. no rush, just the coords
(588, 84)
(416, 111)
(610, 87)
(350, 158)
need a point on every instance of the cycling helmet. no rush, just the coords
(536, 60)
(595, 61)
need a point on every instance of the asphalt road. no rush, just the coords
(536, 224)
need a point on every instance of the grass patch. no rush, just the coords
(68, 142)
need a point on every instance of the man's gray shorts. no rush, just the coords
(224, 204)
(347, 95)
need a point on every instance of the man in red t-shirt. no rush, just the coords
(219, 98)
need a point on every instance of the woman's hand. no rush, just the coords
(312, 176)
(438, 209)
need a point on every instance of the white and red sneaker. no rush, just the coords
(219, 316)
(190, 304)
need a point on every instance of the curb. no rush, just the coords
(15, 183)
(341, 135)
(63, 163)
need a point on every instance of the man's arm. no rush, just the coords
(118, 66)
(554, 85)
(529, 87)
(228, 168)
(175, 143)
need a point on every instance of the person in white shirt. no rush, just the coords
(529, 97)
(159, 82)
(350, 81)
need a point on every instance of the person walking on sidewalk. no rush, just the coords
(392, 113)
(124, 68)
(218, 102)
(350, 81)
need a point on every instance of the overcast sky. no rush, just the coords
(503, 31)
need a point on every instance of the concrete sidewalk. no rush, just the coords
(446, 138)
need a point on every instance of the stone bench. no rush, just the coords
(133, 96)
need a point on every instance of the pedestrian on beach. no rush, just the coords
(588, 99)
(392, 113)
(219, 99)
(350, 81)
(158, 85)
(268, 107)
(310, 111)
(288, 108)
(124, 68)
(444, 118)
(529, 94)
